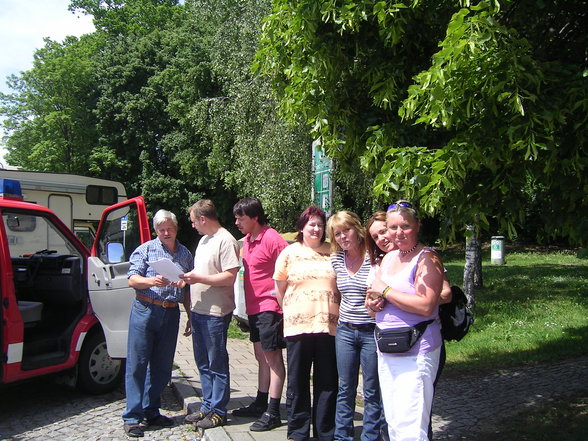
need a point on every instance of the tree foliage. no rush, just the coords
(162, 97)
(49, 118)
(477, 110)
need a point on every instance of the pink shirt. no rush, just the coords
(259, 260)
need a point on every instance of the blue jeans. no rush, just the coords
(153, 334)
(209, 338)
(357, 347)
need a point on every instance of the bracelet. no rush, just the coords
(385, 291)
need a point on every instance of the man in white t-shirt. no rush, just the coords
(216, 263)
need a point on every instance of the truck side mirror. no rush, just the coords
(115, 252)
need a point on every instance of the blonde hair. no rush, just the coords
(404, 207)
(342, 219)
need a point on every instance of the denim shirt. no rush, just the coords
(155, 250)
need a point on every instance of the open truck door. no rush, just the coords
(123, 228)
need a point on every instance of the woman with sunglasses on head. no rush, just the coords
(354, 341)
(378, 246)
(307, 292)
(405, 294)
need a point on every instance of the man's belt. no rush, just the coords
(165, 303)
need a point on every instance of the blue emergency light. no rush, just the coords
(10, 189)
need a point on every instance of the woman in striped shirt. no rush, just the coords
(354, 341)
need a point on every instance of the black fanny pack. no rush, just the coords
(399, 339)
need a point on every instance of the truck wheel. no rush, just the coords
(97, 372)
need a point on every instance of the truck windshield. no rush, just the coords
(30, 233)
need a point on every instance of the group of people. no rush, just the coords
(331, 305)
(205, 287)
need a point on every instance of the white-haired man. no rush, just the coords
(153, 325)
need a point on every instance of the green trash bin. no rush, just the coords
(497, 250)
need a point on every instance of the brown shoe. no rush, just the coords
(134, 430)
(195, 417)
(160, 421)
(211, 420)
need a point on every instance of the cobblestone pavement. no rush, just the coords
(467, 406)
(462, 408)
(43, 410)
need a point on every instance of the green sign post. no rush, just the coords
(322, 190)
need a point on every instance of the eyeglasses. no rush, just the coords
(402, 204)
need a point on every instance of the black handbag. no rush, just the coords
(399, 340)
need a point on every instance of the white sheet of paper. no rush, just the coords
(167, 269)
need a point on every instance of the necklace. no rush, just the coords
(409, 251)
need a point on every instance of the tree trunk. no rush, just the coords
(472, 272)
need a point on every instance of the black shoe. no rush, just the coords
(195, 417)
(159, 420)
(134, 430)
(253, 410)
(211, 420)
(265, 423)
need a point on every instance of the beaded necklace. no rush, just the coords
(409, 251)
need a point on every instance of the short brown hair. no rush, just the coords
(375, 253)
(311, 211)
(204, 207)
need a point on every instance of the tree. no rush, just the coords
(127, 17)
(166, 102)
(49, 121)
(477, 110)
(182, 115)
(253, 150)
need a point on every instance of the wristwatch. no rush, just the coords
(384, 292)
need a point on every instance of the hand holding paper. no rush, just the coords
(167, 269)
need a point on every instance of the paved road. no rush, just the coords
(465, 407)
(462, 408)
(43, 410)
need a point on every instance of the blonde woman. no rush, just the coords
(354, 341)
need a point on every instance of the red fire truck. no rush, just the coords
(65, 308)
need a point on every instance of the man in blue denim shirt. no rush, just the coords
(153, 325)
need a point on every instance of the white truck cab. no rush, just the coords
(77, 200)
(65, 308)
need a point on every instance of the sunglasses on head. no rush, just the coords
(401, 204)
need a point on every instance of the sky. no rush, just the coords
(23, 25)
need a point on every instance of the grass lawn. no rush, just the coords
(532, 309)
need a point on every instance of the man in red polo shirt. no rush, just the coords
(261, 248)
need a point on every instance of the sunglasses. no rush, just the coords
(401, 204)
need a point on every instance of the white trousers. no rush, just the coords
(406, 384)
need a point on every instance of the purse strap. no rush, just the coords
(423, 325)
